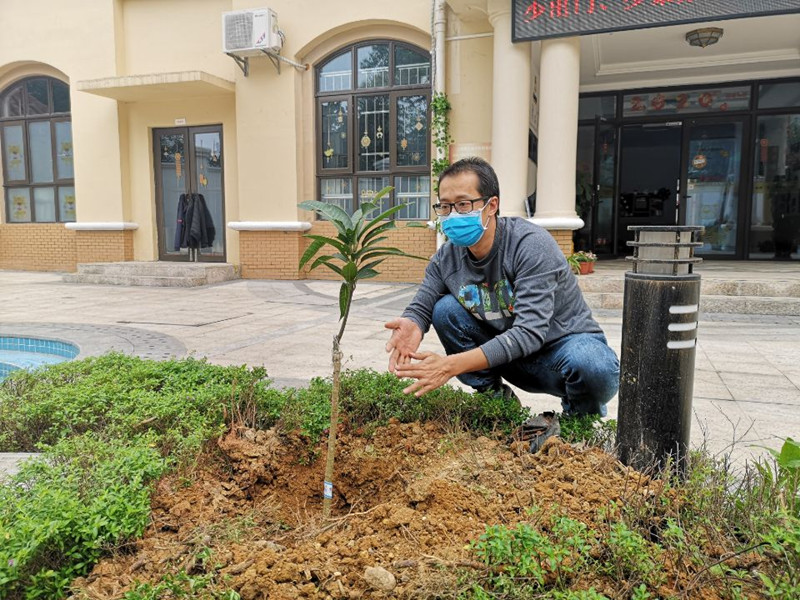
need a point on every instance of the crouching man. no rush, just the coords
(506, 306)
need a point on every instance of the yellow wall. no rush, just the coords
(76, 39)
(268, 123)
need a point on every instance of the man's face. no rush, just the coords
(464, 186)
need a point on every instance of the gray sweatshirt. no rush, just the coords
(523, 288)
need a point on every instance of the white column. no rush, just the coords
(558, 134)
(511, 83)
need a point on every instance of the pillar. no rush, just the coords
(511, 82)
(558, 134)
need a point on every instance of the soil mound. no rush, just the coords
(409, 499)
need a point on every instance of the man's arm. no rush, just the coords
(433, 370)
(409, 329)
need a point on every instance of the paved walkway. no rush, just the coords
(747, 378)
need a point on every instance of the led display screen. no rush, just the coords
(541, 19)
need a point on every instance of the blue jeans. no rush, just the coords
(579, 368)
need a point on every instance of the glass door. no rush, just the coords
(190, 203)
(650, 171)
(713, 191)
(605, 179)
(594, 188)
(775, 212)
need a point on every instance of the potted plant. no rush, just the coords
(582, 262)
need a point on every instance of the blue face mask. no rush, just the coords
(464, 230)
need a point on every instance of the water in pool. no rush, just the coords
(29, 353)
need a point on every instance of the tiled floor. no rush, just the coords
(746, 383)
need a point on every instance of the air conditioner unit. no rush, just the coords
(249, 32)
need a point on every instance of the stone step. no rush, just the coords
(135, 280)
(154, 274)
(708, 287)
(709, 303)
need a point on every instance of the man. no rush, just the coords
(505, 305)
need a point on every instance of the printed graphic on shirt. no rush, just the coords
(488, 304)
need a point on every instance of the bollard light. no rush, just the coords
(659, 337)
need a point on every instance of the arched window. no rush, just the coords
(372, 126)
(36, 136)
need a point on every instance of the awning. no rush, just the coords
(158, 87)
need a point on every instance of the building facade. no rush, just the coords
(117, 115)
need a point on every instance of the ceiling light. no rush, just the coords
(704, 37)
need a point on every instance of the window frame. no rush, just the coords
(352, 172)
(25, 120)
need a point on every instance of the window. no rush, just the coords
(373, 103)
(36, 146)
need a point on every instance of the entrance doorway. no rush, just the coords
(714, 183)
(189, 163)
(689, 172)
(650, 177)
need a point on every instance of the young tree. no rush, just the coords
(358, 253)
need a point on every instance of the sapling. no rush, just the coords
(358, 253)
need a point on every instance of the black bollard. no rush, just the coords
(659, 336)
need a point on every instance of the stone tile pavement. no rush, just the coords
(747, 377)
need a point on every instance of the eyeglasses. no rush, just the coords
(462, 206)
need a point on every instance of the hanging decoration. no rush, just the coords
(379, 134)
(365, 140)
(419, 124)
(177, 165)
(340, 116)
(15, 159)
(404, 144)
(69, 206)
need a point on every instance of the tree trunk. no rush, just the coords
(328, 483)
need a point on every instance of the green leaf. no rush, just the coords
(369, 266)
(312, 249)
(339, 218)
(376, 231)
(350, 272)
(386, 214)
(789, 457)
(330, 241)
(367, 273)
(344, 299)
(383, 250)
(325, 260)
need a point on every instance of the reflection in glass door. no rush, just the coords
(713, 183)
(775, 213)
(188, 161)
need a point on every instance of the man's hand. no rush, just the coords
(405, 340)
(431, 372)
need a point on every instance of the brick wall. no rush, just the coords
(270, 254)
(414, 240)
(37, 247)
(275, 254)
(564, 239)
(103, 246)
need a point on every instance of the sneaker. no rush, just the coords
(538, 429)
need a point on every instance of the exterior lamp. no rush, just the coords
(704, 37)
(659, 337)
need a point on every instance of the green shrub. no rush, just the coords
(117, 396)
(59, 515)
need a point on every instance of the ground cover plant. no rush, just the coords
(187, 480)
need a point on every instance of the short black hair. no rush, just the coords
(487, 178)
